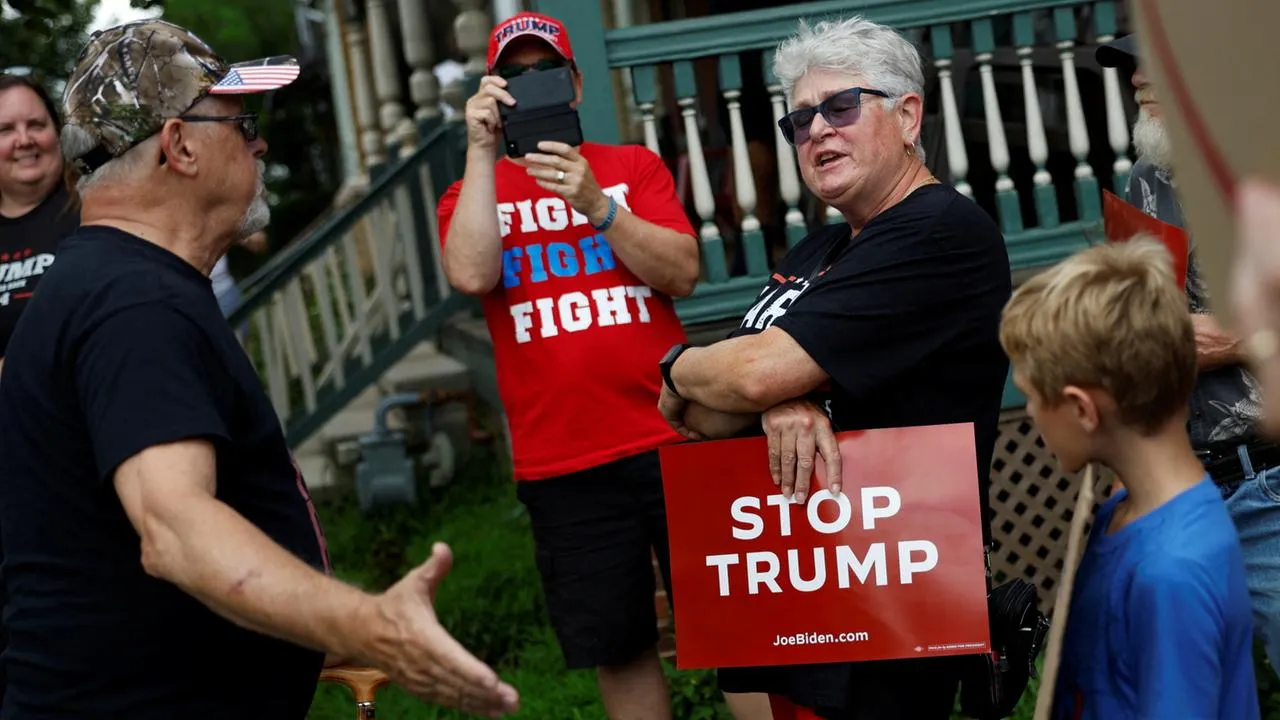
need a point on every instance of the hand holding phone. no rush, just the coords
(542, 110)
(560, 168)
(482, 115)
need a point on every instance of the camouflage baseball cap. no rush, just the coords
(131, 78)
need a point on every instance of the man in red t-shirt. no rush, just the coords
(577, 252)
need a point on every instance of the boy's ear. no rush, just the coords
(1084, 407)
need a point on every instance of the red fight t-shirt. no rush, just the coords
(576, 335)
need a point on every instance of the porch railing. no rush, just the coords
(1018, 117)
(330, 314)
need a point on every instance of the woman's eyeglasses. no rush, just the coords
(511, 70)
(839, 110)
(248, 123)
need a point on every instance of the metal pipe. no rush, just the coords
(389, 403)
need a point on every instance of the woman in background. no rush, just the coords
(38, 207)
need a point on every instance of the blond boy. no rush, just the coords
(1160, 623)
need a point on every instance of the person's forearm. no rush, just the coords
(214, 554)
(716, 425)
(736, 376)
(664, 259)
(473, 249)
(1215, 346)
(1208, 359)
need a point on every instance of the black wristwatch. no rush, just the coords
(667, 361)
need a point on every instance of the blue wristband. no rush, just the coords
(608, 218)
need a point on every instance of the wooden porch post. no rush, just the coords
(585, 22)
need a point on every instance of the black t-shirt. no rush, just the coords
(905, 319)
(28, 245)
(123, 348)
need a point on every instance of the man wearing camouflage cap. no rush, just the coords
(132, 420)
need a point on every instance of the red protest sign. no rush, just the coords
(1121, 221)
(892, 568)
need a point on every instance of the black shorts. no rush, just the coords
(595, 533)
(914, 689)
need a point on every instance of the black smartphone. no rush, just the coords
(543, 111)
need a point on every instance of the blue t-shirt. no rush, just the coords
(1160, 624)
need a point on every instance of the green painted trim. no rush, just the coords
(1047, 206)
(770, 77)
(1024, 29)
(730, 72)
(763, 29)
(716, 301)
(1040, 247)
(1088, 198)
(757, 256)
(1013, 397)
(714, 264)
(984, 36)
(940, 42)
(644, 84)
(583, 20)
(1104, 18)
(795, 233)
(1064, 24)
(686, 85)
(1009, 210)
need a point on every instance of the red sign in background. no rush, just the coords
(1121, 221)
(892, 568)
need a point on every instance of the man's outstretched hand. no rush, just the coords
(418, 654)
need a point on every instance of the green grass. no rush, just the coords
(492, 601)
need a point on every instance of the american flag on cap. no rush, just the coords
(257, 76)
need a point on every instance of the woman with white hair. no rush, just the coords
(888, 319)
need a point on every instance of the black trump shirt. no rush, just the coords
(905, 319)
(28, 246)
(124, 348)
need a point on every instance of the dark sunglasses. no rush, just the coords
(839, 110)
(248, 123)
(511, 70)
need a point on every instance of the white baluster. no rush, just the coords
(788, 175)
(1037, 145)
(424, 89)
(366, 105)
(957, 157)
(703, 199)
(1077, 131)
(744, 184)
(472, 29)
(650, 124)
(997, 144)
(386, 77)
(1117, 124)
(642, 96)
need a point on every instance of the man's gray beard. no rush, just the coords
(258, 215)
(1151, 141)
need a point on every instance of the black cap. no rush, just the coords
(1119, 52)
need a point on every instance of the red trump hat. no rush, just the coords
(528, 24)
